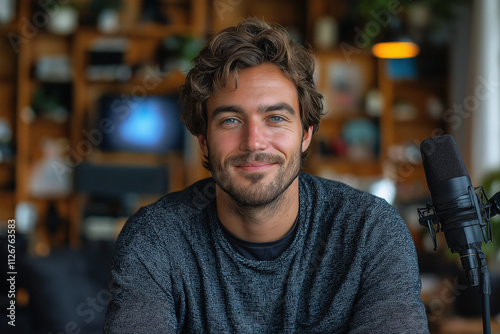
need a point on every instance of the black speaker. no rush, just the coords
(119, 180)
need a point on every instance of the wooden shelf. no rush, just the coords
(7, 206)
(338, 165)
(153, 31)
(7, 173)
(11, 27)
(152, 82)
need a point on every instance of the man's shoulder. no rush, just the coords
(335, 197)
(175, 210)
(327, 188)
(193, 198)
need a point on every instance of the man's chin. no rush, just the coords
(250, 177)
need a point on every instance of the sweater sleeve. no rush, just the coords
(140, 291)
(388, 300)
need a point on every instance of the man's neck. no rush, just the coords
(262, 224)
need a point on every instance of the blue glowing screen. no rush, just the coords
(148, 124)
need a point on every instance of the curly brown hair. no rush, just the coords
(251, 43)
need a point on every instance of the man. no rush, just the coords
(261, 247)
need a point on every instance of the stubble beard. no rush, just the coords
(258, 194)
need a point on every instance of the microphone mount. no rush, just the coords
(484, 209)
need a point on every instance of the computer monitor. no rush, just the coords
(147, 124)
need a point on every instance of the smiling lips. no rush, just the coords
(255, 166)
(255, 162)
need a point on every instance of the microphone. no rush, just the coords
(460, 210)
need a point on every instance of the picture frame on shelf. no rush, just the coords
(344, 82)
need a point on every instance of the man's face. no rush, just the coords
(254, 136)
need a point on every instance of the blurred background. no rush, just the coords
(90, 131)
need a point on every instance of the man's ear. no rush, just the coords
(306, 138)
(202, 140)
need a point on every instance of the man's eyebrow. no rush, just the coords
(278, 106)
(261, 109)
(226, 108)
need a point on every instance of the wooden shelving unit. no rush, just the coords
(396, 155)
(344, 84)
(143, 40)
(404, 133)
(19, 83)
(9, 90)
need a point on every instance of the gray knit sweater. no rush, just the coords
(352, 267)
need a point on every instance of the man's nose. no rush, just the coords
(255, 137)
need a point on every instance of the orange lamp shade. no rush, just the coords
(395, 50)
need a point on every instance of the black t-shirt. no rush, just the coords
(263, 251)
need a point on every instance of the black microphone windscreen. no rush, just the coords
(441, 159)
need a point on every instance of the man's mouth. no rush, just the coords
(255, 166)
(255, 162)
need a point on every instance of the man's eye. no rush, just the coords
(229, 121)
(276, 119)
